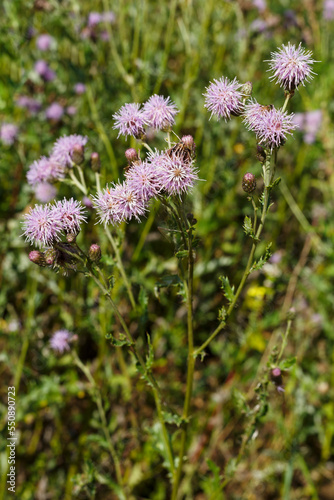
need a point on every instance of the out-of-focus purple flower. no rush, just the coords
(130, 120)
(87, 202)
(41, 226)
(54, 112)
(71, 214)
(274, 127)
(291, 66)
(71, 110)
(94, 18)
(258, 26)
(260, 5)
(290, 19)
(299, 120)
(328, 10)
(45, 170)
(45, 192)
(176, 175)
(108, 17)
(310, 123)
(44, 42)
(143, 179)
(29, 103)
(107, 207)
(44, 71)
(79, 88)
(63, 149)
(60, 341)
(159, 112)
(223, 98)
(276, 258)
(104, 36)
(8, 133)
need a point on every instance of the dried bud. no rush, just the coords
(50, 256)
(94, 252)
(249, 183)
(260, 155)
(131, 155)
(78, 154)
(37, 258)
(247, 89)
(95, 162)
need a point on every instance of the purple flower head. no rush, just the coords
(299, 120)
(87, 202)
(44, 170)
(29, 103)
(44, 42)
(176, 175)
(260, 5)
(107, 207)
(42, 226)
(63, 149)
(274, 127)
(130, 120)
(328, 12)
(94, 18)
(54, 112)
(143, 179)
(108, 17)
(60, 341)
(291, 66)
(159, 112)
(8, 133)
(79, 88)
(44, 71)
(223, 98)
(130, 204)
(104, 36)
(71, 110)
(253, 114)
(45, 192)
(258, 26)
(71, 214)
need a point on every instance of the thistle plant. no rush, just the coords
(165, 178)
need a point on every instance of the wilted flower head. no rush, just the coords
(274, 127)
(54, 112)
(143, 179)
(60, 341)
(176, 175)
(71, 214)
(42, 226)
(45, 192)
(63, 149)
(8, 133)
(159, 112)
(44, 42)
(223, 98)
(130, 120)
(45, 170)
(291, 66)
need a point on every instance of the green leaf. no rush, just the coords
(222, 313)
(121, 341)
(150, 355)
(262, 260)
(172, 418)
(275, 183)
(168, 280)
(248, 228)
(288, 363)
(227, 288)
(182, 254)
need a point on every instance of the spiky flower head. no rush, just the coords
(176, 175)
(63, 149)
(71, 214)
(143, 179)
(45, 192)
(272, 130)
(291, 66)
(60, 341)
(223, 98)
(107, 207)
(130, 203)
(159, 112)
(42, 225)
(253, 114)
(249, 182)
(130, 121)
(45, 170)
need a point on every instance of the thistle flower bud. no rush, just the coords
(50, 256)
(249, 183)
(78, 154)
(247, 89)
(71, 237)
(95, 162)
(260, 155)
(131, 155)
(188, 141)
(276, 377)
(94, 252)
(37, 258)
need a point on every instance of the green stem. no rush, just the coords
(82, 179)
(76, 182)
(285, 339)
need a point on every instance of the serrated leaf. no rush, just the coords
(262, 260)
(222, 313)
(288, 363)
(227, 288)
(121, 341)
(172, 418)
(275, 183)
(248, 228)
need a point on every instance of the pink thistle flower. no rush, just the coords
(130, 120)
(223, 98)
(45, 170)
(54, 112)
(291, 66)
(63, 149)
(45, 192)
(129, 203)
(94, 18)
(143, 179)
(159, 112)
(42, 226)
(8, 133)
(253, 114)
(79, 88)
(44, 42)
(274, 127)
(107, 207)
(60, 341)
(176, 175)
(71, 214)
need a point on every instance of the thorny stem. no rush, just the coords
(103, 419)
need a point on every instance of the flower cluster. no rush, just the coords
(158, 113)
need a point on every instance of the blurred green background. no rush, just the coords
(175, 49)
